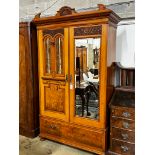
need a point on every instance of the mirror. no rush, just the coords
(87, 54)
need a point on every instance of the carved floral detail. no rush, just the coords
(53, 32)
(91, 30)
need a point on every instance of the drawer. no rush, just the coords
(124, 112)
(88, 137)
(123, 123)
(73, 133)
(50, 127)
(124, 135)
(122, 147)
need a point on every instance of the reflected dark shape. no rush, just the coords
(94, 71)
(85, 92)
(96, 56)
(78, 69)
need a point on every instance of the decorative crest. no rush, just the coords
(101, 6)
(66, 10)
(37, 15)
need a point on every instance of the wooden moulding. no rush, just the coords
(24, 24)
(68, 14)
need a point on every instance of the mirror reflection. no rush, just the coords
(87, 53)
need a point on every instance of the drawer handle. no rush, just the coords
(125, 136)
(53, 127)
(124, 148)
(126, 114)
(126, 125)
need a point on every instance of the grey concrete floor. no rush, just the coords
(34, 146)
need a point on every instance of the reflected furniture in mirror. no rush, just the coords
(76, 80)
(86, 83)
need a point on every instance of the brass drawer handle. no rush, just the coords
(125, 136)
(126, 125)
(53, 126)
(124, 148)
(126, 114)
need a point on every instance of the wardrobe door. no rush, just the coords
(53, 67)
(87, 68)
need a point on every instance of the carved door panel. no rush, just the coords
(53, 66)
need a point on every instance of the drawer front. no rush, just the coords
(87, 136)
(123, 123)
(128, 113)
(74, 133)
(50, 127)
(122, 147)
(124, 135)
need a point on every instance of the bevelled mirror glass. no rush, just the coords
(47, 46)
(59, 55)
(87, 56)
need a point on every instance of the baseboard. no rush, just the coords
(29, 133)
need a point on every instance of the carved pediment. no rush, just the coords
(101, 6)
(37, 16)
(66, 10)
(69, 14)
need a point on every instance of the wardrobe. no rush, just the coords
(74, 96)
(28, 80)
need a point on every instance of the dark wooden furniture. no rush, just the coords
(57, 36)
(126, 75)
(122, 121)
(28, 81)
(81, 53)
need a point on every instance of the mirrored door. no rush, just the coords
(86, 73)
(85, 69)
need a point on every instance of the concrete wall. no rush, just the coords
(29, 8)
(125, 44)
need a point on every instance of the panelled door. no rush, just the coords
(53, 72)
